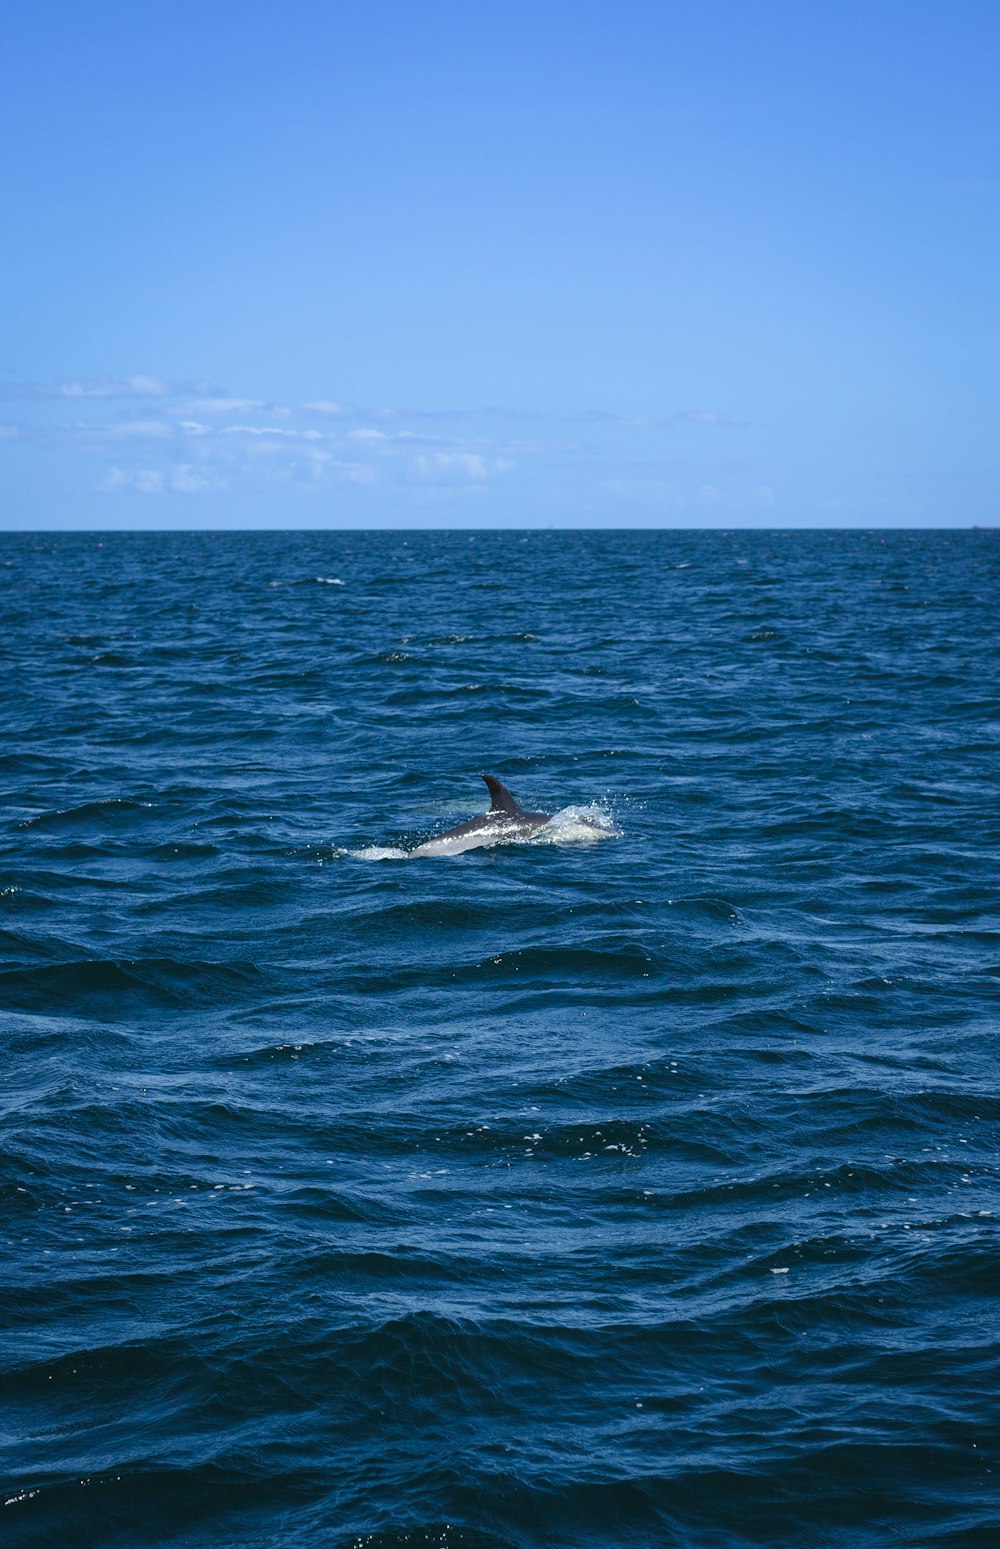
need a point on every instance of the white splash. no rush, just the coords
(379, 852)
(577, 825)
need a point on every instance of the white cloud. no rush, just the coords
(465, 465)
(199, 456)
(707, 417)
(142, 386)
(148, 481)
(139, 430)
(271, 430)
(223, 405)
(181, 479)
(197, 437)
(138, 385)
(188, 481)
(657, 422)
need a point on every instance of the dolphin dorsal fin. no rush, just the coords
(500, 798)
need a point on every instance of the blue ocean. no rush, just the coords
(634, 1184)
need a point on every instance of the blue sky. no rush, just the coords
(672, 264)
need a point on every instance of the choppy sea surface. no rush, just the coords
(640, 1192)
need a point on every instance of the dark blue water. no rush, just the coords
(629, 1193)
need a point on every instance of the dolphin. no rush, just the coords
(505, 822)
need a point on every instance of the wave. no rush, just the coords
(80, 986)
(86, 812)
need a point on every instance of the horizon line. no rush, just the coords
(218, 531)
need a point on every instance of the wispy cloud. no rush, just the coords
(138, 385)
(153, 437)
(192, 456)
(220, 404)
(707, 417)
(677, 492)
(662, 421)
(326, 408)
(445, 466)
(183, 479)
(201, 400)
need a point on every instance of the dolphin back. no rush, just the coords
(500, 798)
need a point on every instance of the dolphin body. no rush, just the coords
(505, 822)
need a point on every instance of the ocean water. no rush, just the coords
(630, 1191)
